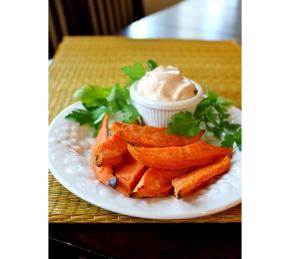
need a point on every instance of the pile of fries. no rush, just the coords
(143, 161)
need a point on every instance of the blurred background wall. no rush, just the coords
(96, 17)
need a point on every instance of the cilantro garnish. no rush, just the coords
(211, 115)
(114, 100)
(151, 64)
(134, 72)
(184, 123)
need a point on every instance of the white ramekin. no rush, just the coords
(158, 113)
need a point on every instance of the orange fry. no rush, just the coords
(103, 132)
(103, 174)
(190, 181)
(156, 183)
(146, 136)
(128, 174)
(196, 154)
(111, 152)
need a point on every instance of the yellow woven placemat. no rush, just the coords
(79, 60)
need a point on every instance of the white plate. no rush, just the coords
(69, 162)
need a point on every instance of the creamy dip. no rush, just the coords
(165, 84)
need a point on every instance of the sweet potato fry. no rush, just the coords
(156, 183)
(196, 154)
(145, 136)
(190, 181)
(103, 132)
(103, 174)
(128, 174)
(111, 152)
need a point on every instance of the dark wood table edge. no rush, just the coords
(117, 240)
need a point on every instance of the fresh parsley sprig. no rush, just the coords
(114, 100)
(211, 115)
(97, 101)
(151, 64)
(137, 71)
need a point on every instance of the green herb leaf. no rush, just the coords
(81, 116)
(115, 101)
(200, 109)
(151, 64)
(238, 138)
(135, 72)
(92, 96)
(212, 96)
(89, 117)
(223, 102)
(98, 114)
(129, 114)
(231, 139)
(230, 127)
(119, 95)
(228, 141)
(212, 115)
(183, 123)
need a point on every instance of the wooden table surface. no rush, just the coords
(191, 19)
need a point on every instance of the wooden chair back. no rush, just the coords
(90, 17)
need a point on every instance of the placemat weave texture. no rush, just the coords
(92, 59)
